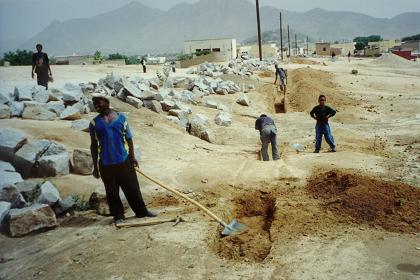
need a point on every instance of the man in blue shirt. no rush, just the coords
(268, 134)
(110, 136)
(282, 75)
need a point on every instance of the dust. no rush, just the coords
(391, 205)
(305, 86)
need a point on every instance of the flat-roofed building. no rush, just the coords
(225, 47)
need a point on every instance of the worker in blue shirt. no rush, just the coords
(282, 75)
(110, 135)
(268, 134)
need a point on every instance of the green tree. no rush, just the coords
(362, 42)
(18, 57)
(131, 60)
(116, 56)
(97, 57)
(410, 38)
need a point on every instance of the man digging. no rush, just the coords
(282, 75)
(321, 114)
(110, 133)
(268, 134)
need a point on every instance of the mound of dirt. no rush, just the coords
(266, 74)
(301, 60)
(306, 84)
(255, 209)
(392, 60)
(391, 205)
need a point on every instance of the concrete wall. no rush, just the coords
(345, 48)
(323, 49)
(225, 46)
(212, 57)
(269, 50)
(385, 45)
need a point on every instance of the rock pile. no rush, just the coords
(238, 67)
(37, 103)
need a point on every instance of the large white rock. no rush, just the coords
(243, 100)
(82, 162)
(27, 156)
(82, 125)
(153, 105)
(167, 105)
(23, 93)
(10, 141)
(199, 128)
(56, 106)
(40, 94)
(53, 165)
(9, 178)
(11, 194)
(224, 119)
(70, 113)
(72, 93)
(29, 219)
(38, 113)
(6, 98)
(16, 108)
(6, 166)
(29, 189)
(48, 194)
(134, 101)
(4, 111)
(4, 210)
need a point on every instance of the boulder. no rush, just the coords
(4, 210)
(10, 141)
(55, 149)
(180, 106)
(27, 156)
(243, 100)
(111, 79)
(167, 105)
(29, 219)
(65, 205)
(6, 166)
(56, 106)
(9, 178)
(71, 93)
(16, 109)
(4, 111)
(53, 165)
(211, 104)
(6, 98)
(30, 190)
(48, 194)
(131, 89)
(173, 119)
(23, 93)
(40, 94)
(134, 101)
(82, 162)
(70, 113)
(153, 105)
(11, 194)
(147, 95)
(199, 128)
(79, 106)
(162, 94)
(81, 125)
(153, 85)
(38, 113)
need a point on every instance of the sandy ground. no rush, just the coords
(291, 235)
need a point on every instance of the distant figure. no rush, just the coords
(349, 55)
(321, 114)
(143, 63)
(173, 64)
(282, 74)
(268, 134)
(333, 56)
(41, 66)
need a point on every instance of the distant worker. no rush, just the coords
(282, 75)
(173, 65)
(321, 114)
(143, 64)
(109, 132)
(268, 134)
(349, 56)
(41, 66)
(333, 56)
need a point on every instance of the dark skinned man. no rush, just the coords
(268, 134)
(41, 66)
(110, 134)
(321, 114)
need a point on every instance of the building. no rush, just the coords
(412, 46)
(253, 51)
(344, 48)
(323, 49)
(74, 60)
(385, 45)
(225, 47)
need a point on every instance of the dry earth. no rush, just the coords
(298, 227)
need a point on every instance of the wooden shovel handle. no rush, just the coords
(207, 211)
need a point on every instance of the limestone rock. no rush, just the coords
(4, 210)
(82, 125)
(134, 101)
(53, 165)
(56, 106)
(153, 105)
(29, 219)
(9, 178)
(38, 113)
(199, 128)
(82, 162)
(4, 111)
(16, 109)
(243, 100)
(6, 98)
(11, 194)
(72, 93)
(211, 104)
(64, 206)
(40, 94)
(48, 194)
(26, 157)
(10, 141)
(6, 166)
(167, 105)
(30, 190)
(70, 113)
(23, 93)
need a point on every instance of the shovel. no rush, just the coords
(229, 229)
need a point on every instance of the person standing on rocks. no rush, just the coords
(322, 113)
(41, 66)
(109, 133)
(268, 134)
(282, 75)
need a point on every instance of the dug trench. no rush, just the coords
(329, 204)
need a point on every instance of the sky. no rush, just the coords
(23, 17)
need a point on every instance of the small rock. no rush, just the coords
(211, 104)
(243, 100)
(224, 119)
(82, 162)
(29, 219)
(48, 194)
(64, 206)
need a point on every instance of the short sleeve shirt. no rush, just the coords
(112, 139)
(41, 61)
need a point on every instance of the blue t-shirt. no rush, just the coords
(112, 138)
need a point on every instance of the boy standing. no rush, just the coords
(321, 114)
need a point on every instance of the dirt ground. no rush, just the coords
(353, 214)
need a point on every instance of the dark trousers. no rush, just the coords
(144, 68)
(42, 79)
(122, 175)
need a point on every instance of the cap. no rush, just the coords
(101, 96)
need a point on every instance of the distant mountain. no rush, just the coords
(138, 29)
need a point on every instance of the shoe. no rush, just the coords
(119, 222)
(333, 150)
(316, 152)
(149, 214)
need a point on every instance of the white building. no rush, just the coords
(226, 47)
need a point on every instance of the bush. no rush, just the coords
(80, 203)
(184, 57)
(132, 60)
(19, 57)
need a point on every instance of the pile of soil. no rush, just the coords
(306, 84)
(255, 209)
(392, 60)
(301, 60)
(391, 205)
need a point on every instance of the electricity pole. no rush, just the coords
(259, 28)
(288, 37)
(296, 47)
(281, 38)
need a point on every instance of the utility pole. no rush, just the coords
(259, 28)
(288, 37)
(307, 45)
(281, 38)
(296, 47)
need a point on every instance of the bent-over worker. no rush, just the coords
(268, 134)
(282, 75)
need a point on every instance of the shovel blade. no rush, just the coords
(234, 228)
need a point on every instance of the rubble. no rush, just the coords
(4, 210)
(199, 128)
(30, 190)
(48, 194)
(10, 193)
(153, 105)
(10, 141)
(16, 109)
(134, 101)
(82, 125)
(82, 162)
(38, 113)
(28, 155)
(70, 113)
(4, 111)
(223, 119)
(243, 100)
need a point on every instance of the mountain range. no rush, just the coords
(138, 29)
